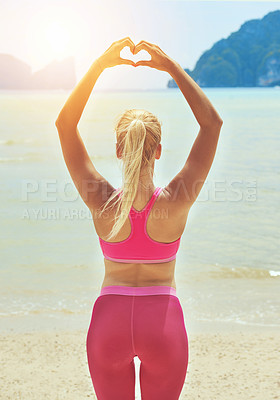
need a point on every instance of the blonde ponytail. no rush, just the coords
(138, 134)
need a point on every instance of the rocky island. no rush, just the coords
(249, 57)
(16, 74)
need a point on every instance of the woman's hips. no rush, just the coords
(140, 321)
(146, 322)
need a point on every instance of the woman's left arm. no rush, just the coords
(88, 181)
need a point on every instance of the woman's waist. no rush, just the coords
(138, 290)
(117, 280)
(138, 283)
(139, 274)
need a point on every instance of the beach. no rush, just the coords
(53, 365)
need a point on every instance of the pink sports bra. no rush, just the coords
(139, 247)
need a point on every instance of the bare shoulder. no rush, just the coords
(101, 192)
(173, 212)
(168, 218)
(171, 196)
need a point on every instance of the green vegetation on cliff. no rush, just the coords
(247, 58)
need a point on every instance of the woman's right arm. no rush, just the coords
(187, 184)
(185, 187)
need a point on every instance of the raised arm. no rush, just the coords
(186, 185)
(88, 181)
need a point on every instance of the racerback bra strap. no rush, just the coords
(150, 203)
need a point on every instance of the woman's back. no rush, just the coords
(163, 222)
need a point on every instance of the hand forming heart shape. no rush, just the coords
(111, 57)
(128, 55)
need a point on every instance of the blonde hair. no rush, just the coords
(138, 134)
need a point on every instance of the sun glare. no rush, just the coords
(58, 39)
(57, 33)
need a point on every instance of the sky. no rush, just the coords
(39, 31)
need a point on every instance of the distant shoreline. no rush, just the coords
(254, 88)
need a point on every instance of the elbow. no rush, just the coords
(60, 120)
(217, 121)
(220, 121)
(63, 124)
(219, 124)
(60, 127)
(57, 123)
(213, 124)
(65, 130)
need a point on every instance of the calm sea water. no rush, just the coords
(228, 268)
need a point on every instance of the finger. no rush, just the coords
(128, 62)
(127, 42)
(142, 46)
(148, 43)
(144, 63)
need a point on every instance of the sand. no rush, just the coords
(53, 365)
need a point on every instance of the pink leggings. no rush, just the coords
(146, 322)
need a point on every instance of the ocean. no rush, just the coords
(228, 268)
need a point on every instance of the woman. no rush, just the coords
(139, 226)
